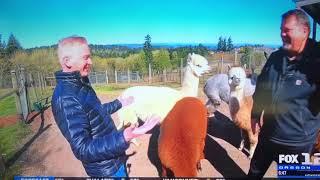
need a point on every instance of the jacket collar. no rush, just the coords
(309, 47)
(73, 77)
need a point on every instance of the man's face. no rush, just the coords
(77, 58)
(294, 35)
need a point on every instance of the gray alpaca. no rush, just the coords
(217, 89)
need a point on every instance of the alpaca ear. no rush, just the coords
(189, 57)
(245, 66)
(229, 67)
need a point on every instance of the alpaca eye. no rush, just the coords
(198, 65)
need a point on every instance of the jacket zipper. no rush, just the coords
(279, 84)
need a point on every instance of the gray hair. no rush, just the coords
(71, 40)
(300, 15)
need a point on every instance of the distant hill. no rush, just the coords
(135, 46)
(211, 46)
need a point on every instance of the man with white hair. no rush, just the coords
(288, 91)
(84, 121)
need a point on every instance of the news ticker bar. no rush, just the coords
(108, 178)
(298, 171)
(298, 167)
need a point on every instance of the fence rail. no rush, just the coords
(32, 90)
(8, 94)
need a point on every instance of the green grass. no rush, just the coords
(14, 170)
(108, 88)
(10, 138)
(4, 91)
(111, 88)
(10, 141)
(8, 106)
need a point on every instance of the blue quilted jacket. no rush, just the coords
(87, 124)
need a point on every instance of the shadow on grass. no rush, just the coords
(9, 162)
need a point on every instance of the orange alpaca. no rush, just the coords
(182, 138)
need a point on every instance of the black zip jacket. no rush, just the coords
(289, 93)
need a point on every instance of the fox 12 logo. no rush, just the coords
(294, 159)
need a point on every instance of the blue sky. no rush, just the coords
(44, 22)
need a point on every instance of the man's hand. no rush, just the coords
(255, 126)
(133, 131)
(125, 101)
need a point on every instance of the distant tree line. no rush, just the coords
(112, 57)
(225, 45)
(7, 51)
(105, 57)
(252, 59)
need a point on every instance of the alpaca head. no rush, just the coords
(237, 78)
(198, 64)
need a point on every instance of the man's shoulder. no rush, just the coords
(61, 96)
(275, 57)
(277, 54)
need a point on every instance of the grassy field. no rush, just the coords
(11, 137)
(8, 106)
(4, 91)
(10, 141)
(110, 88)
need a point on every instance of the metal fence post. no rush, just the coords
(235, 57)
(107, 79)
(222, 64)
(181, 71)
(164, 75)
(128, 74)
(150, 76)
(116, 76)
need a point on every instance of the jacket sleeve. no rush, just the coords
(75, 126)
(112, 107)
(260, 95)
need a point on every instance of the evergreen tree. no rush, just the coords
(219, 45)
(2, 48)
(224, 45)
(12, 46)
(229, 44)
(246, 57)
(147, 48)
(202, 50)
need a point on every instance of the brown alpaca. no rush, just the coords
(182, 138)
(242, 119)
(316, 147)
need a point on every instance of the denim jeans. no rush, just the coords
(122, 172)
(268, 151)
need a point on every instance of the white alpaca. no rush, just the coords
(149, 100)
(240, 107)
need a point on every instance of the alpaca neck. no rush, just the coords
(190, 83)
(237, 93)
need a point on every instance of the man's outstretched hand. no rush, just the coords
(133, 131)
(255, 126)
(125, 101)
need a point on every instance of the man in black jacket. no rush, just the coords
(83, 120)
(288, 91)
